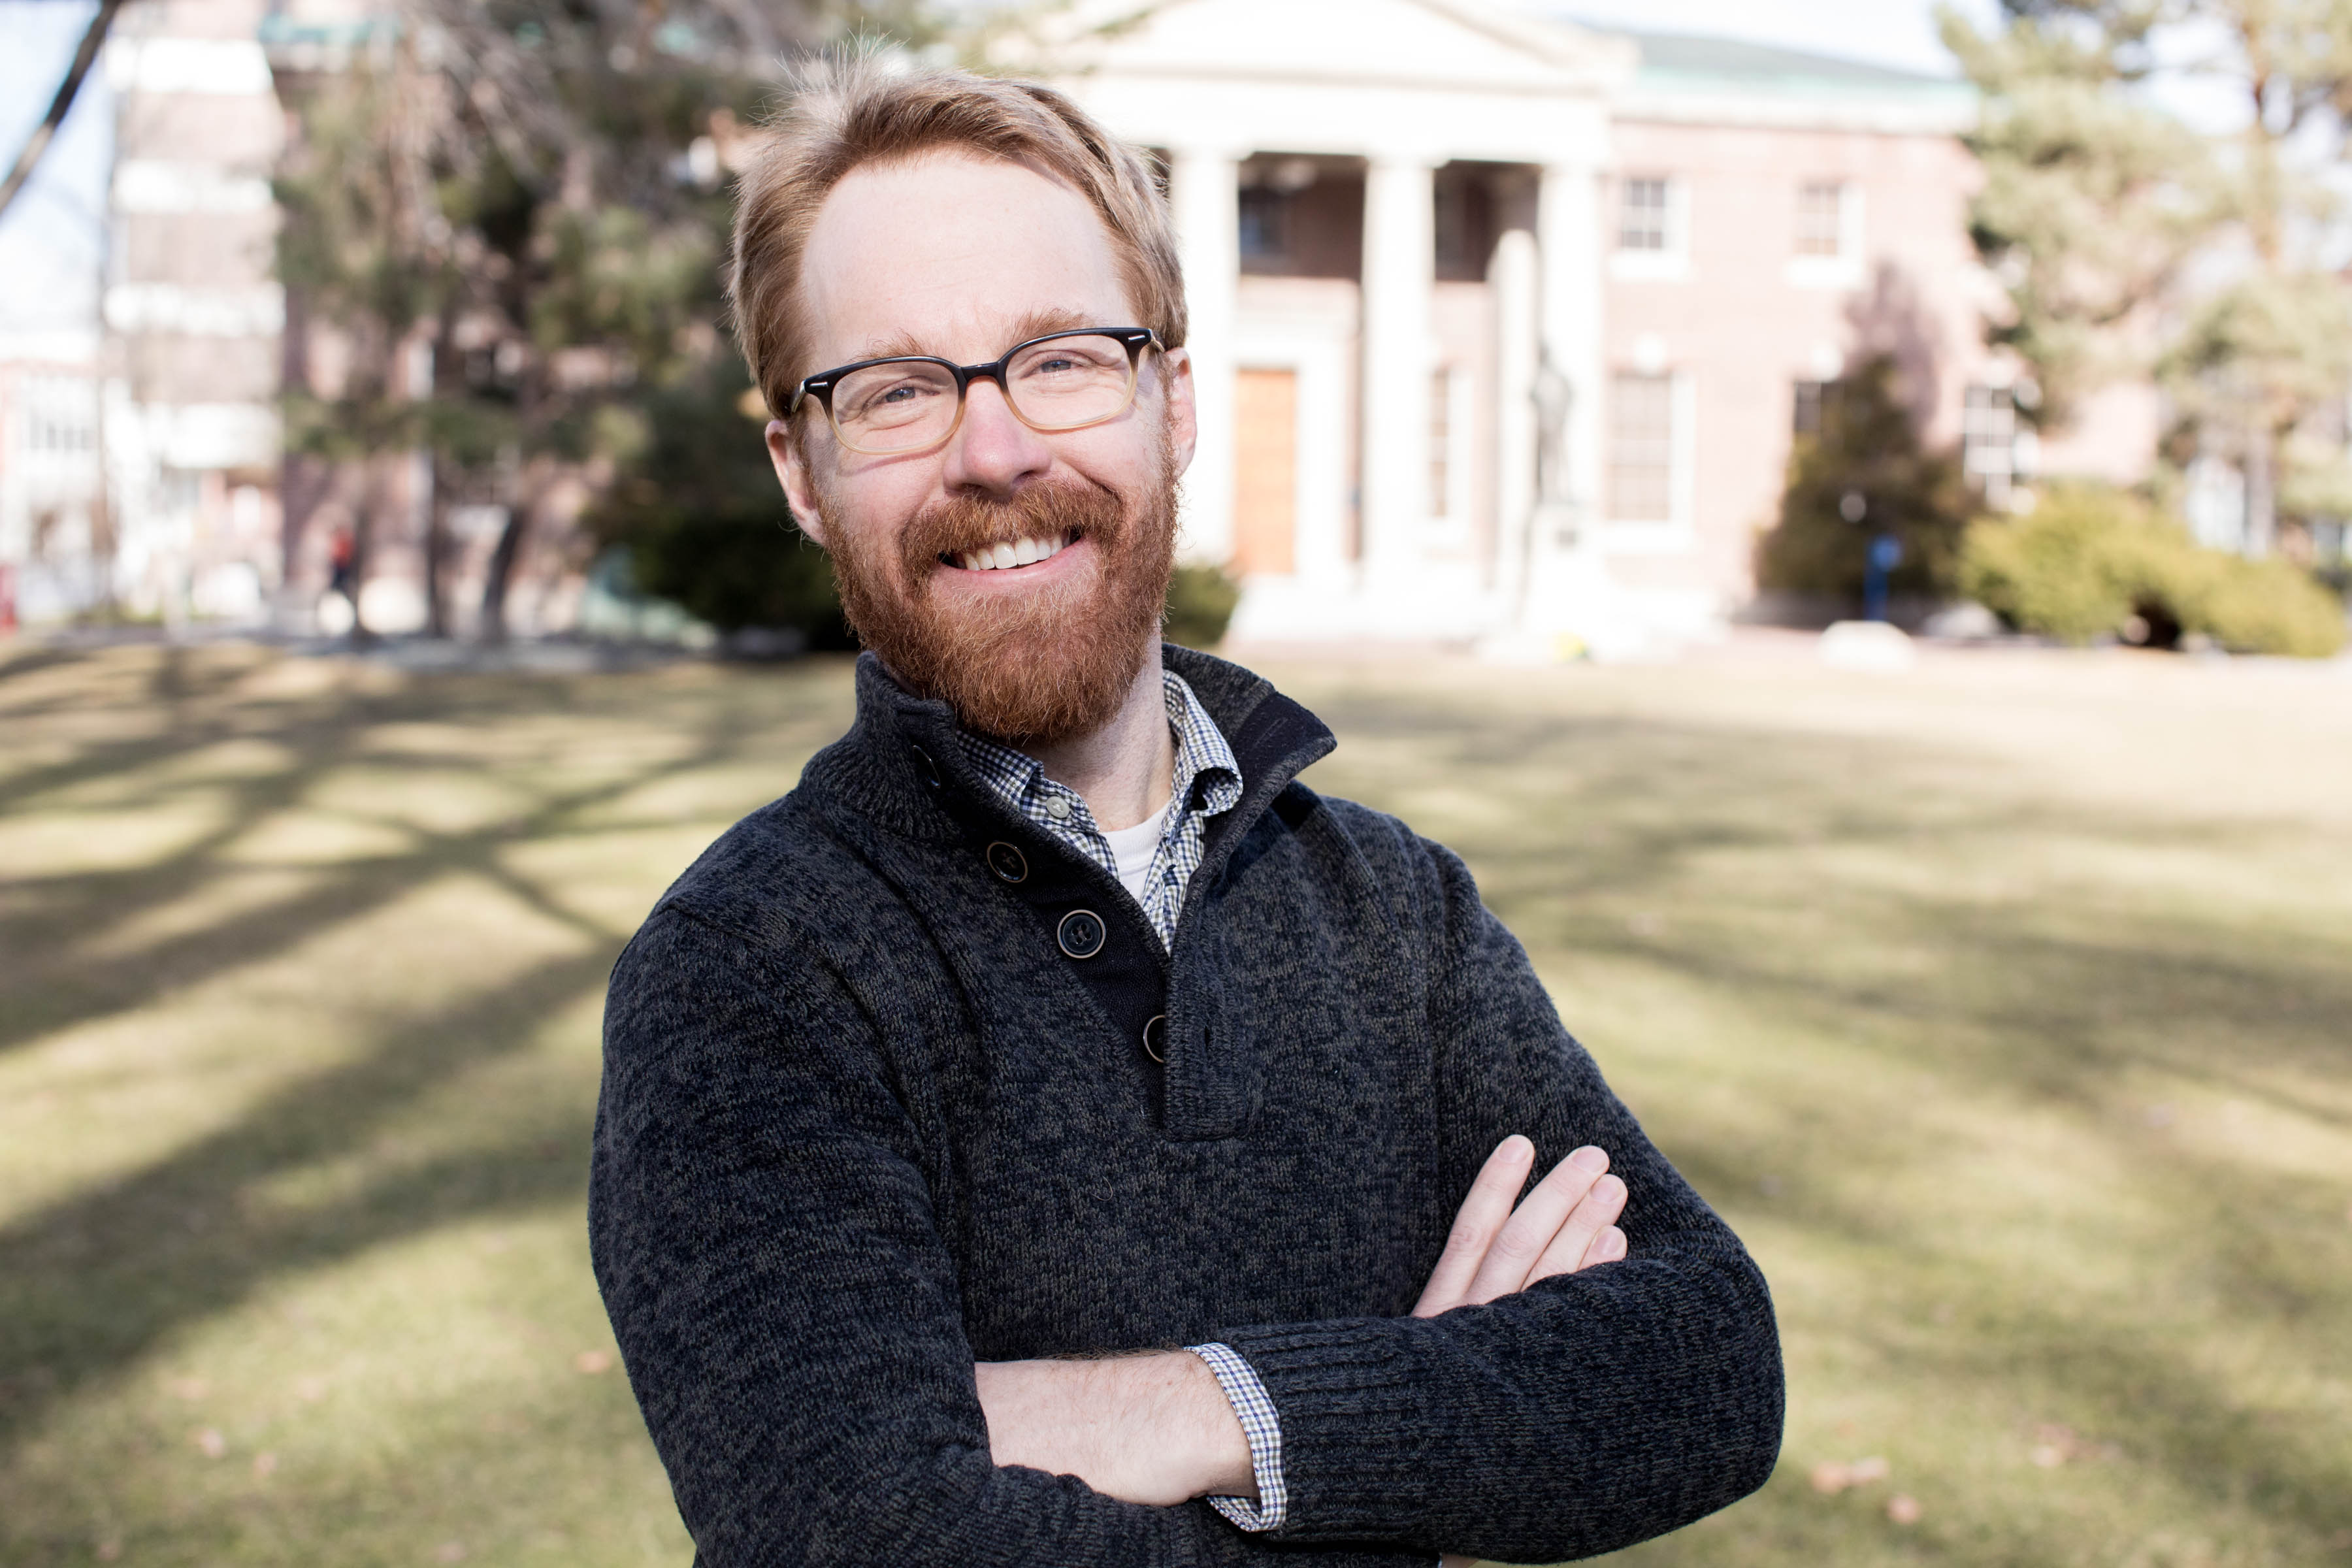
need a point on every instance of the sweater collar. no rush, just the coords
(905, 762)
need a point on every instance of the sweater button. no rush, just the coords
(925, 768)
(1007, 861)
(1081, 933)
(1155, 1038)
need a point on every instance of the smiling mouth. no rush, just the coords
(1007, 557)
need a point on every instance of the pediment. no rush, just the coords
(1450, 44)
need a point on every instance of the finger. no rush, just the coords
(1482, 1213)
(1572, 1249)
(1609, 1247)
(1532, 1225)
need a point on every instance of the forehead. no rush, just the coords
(947, 253)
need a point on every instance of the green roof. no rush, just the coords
(1697, 60)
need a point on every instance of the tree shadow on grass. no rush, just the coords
(93, 1283)
(1893, 902)
(48, 987)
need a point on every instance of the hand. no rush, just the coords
(1568, 1222)
(1153, 1429)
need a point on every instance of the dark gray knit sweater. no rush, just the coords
(865, 1121)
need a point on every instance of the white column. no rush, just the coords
(1400, 276)
(1514, 276)
(1568, 216)
(1204, 195)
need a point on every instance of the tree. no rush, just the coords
(524, 198)
(1868, 447)
(697, 506)
(2130, 244)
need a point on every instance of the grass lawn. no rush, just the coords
(2005, 1008)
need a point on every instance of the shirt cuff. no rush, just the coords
(1254, 1408)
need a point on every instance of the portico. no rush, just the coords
(1387, 211)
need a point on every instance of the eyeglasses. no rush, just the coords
(1063, 381)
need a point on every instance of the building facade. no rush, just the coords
(1503, 326)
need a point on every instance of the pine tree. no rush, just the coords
(2131, 245)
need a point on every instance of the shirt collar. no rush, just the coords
(1207, 777)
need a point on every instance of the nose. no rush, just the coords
(992, 451)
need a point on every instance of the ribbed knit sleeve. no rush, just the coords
(764, 1238)
(1582, 1415)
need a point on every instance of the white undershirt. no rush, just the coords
(1133, 847)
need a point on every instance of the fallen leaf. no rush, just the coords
(1832, 1477)
(209, 1439)
(594, 1362)
(109, 1550)
(2049, 1455)
(449, 1551)
(1864, 1471)
(265, 1464)
(1902, 1509)
(188, 1388)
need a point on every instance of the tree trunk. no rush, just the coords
(437, 552)
(363, 521)
(500, 574)
(2261, 492)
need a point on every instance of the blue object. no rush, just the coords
(1885, 555)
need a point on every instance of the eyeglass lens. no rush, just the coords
(899, 405)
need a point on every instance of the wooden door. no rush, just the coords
(1265, 464)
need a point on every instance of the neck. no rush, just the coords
(1125, 770)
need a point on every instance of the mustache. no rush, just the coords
(1064, 511)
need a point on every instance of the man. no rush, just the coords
(1052, 1134)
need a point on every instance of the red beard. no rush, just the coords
(1048, 666)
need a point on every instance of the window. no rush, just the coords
(1812, 398)
(1441, 440)
(1640, 448)
(1988, 440)
(1449, 430)
(1820, 218)
(1643, 206)
(1264, 222)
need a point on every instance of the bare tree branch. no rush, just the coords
(38, 141)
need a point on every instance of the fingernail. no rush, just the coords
(1523, 1145)
(1616, 1248)
(1589, 1159)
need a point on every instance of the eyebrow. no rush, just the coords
(1035, 324)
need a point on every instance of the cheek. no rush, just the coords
(871, 511)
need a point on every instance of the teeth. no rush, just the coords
(1021, 552)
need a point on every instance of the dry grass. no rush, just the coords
(2006, 1009)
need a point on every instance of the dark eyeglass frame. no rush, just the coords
(1135, 340)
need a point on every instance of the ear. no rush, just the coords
(793, 473)
(1183, 413)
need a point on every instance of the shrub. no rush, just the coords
(1201, 601)
(2267, 606)
(2089, 558)
(698, 508)
(1867, 442)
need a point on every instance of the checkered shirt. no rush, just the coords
(1263, 1428)
(1208, 780)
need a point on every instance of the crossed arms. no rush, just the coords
(1159, 1428)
